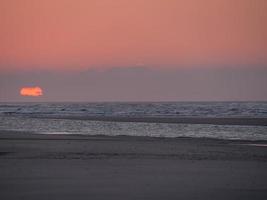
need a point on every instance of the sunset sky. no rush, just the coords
(43, 40)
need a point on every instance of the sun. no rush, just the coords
(31, 91)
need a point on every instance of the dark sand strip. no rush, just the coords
(47, 146)
(122, 167)
(177, 120)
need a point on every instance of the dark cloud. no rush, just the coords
(140, 84)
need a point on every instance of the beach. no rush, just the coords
(133, 100)
(43, 166)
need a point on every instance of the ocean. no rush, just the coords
(78, 118)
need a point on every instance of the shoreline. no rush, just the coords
(246, 121)
(17, 135)
(129, 147)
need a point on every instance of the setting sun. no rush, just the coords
(31, 91)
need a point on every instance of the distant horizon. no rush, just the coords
(138, 84)
(134, 101)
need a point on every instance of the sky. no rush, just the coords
(134, 50)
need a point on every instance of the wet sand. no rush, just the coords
(36, 166)
(177, 120)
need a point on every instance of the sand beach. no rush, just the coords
(39, 166)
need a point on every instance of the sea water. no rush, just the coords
(26, 117)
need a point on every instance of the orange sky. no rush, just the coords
(94, 33)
